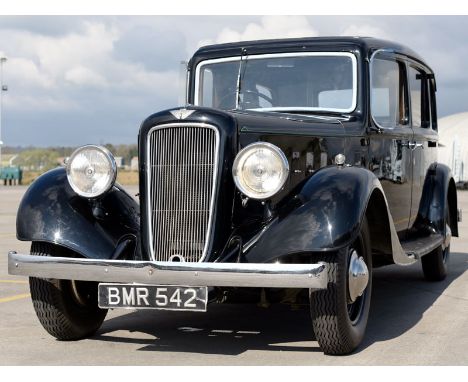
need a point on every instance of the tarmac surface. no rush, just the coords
(412, 322)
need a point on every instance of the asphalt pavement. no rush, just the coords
(412, 322)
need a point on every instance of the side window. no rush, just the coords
(422, 98)
(416, 94)
(389, 101)
(433, 102)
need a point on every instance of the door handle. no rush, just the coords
(414, 145)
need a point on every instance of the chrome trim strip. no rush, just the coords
(257, 237)
(371, 74)
(312, 276)
(149, 180)
(279, 55)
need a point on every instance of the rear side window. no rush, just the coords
(389, 104)
(416, 92)
(421, 98)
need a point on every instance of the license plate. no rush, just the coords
(165, 297)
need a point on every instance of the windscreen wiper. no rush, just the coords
(240, 75)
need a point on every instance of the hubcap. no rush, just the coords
(358, 276)
(446, 247)
(79, 298)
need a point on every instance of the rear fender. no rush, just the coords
(439, 193)
(52, 212)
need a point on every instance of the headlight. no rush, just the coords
(91, 171)
(260, 170)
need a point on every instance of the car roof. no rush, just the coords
(367, 45)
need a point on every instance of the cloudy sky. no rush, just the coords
(76, 80)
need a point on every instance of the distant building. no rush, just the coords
(453, 144)
(134, 164)
(119, 161)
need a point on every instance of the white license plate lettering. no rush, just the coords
(128, 296)
(175, 298)
(114, 297)
(188, 303)
(142, 296)
(161, 298)
(167, 297)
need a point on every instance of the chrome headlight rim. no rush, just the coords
(112, 166)
(250, 193)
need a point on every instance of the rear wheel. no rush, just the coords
(340, 312)
(67, 309)
(435, 263)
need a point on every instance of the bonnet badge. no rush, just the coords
(181, 113)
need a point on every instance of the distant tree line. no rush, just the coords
(43, 159)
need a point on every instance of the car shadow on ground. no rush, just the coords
(400, 298)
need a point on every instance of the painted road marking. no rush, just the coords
(13, 298)
(13, 281)
(7, 235)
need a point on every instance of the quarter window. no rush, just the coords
(416, 91)
(389, 104)
(421, 98)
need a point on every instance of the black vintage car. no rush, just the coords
(296, 165)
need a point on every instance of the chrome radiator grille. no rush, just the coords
(182, 166)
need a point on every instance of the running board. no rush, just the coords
(421, 246)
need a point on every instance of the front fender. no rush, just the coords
(52, 212)
(327, 215)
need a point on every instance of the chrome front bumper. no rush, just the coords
(312, 276)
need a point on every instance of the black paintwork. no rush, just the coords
(325, 214)
(439, 187)
(51, 211)
(321, 206)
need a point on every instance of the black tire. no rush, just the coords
(435, 263)
(339, 326)
(67, 310)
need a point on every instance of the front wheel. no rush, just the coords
(340, 312)
(67, 309)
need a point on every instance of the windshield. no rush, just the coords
(292, 82)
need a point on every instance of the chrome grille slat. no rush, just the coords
(181, 178)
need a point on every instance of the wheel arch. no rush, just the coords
(439, 193)
(379, 228)
(453, 207)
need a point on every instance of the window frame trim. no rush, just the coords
(247, 57)
(400, 60)
(431, 84)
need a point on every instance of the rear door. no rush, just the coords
(424, 125)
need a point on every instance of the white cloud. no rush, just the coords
(91, 48)
(25, 103)
(24, 72)
(56, 67)
(365, 30)
(267, 28)
(83, 76)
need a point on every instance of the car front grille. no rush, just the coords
(181, 175)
